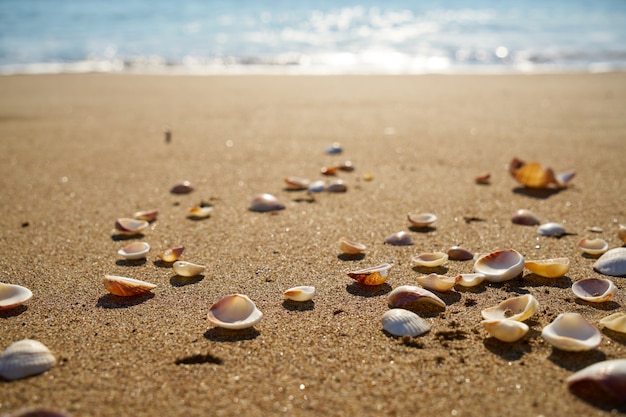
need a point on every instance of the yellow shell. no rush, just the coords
(549, 268)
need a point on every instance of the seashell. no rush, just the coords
(171, 255)
(502, 265)
(126, 287)
(594, 290)
(593, 246)
(406, 295)
(516, 308)
(483, 178)
(351, 247)
(334, 149)
(12, 295)
(265, 202)
(421, 220)
(346, 166)
(234, 311)
(301, 293)
(130, 226)
(297, 183)
(368, 176)
(430, 259)
(506, 330)
(457, 253)
(317, 186)
(200, 212)
(401, 238)
(551, 229)
(136, 250)
(329, 170)
(147, 215)
(337, 186)
(525, 217)
(25, 358)
(533, 175)
(188, 269)
(38, 412)
(603, 382)
(571, 332)
(549, 268)
(595, 229)
(182, 188)
(375, 275)
(400, 322)
(613, 263)
(621, 233)
(615, 322)
(471, 280)
(436, 282)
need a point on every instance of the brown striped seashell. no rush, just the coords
(126, 287)
(375, 275)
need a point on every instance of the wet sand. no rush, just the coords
(80, 151)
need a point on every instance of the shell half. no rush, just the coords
(595, 246)
(171, 255)
(408, 295)
(525, 217)
(136, 250)
(594, 290)
(457, 253)
(147, 215)
(375, 275)
(430, 259)
(421, 220)
(188, 269)
(471, 280)
(200, 212)
(25, 358)
(506, 330)
(400, 238)
(297, 183)
(551, 229)
(516, 308)
(12, 295)
(350, 247)
(502, 265)
(549, 268)
(615, 322)
(126, 287)
(602, 382)
(436, 282)
(301, 293)
(130, 226)
(612, 263)
(265, 202)
(400, 322)
(571, 332)
(234, 311)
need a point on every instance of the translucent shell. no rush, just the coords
(457, 253)
(549, 268)
(200, 212)
(407, 295)
(25, 358)
(147, 215)
(612, 263)
(126, 287)
(136, 250)
(401, 238)
(182, 188)
(171, 255)
(436, 282)
(350, 247)
(301, 293)
(12, 295)
(593, 246)
(551, 229)
(615, 322)
(517, 308)
(188, 269)
(375, 275)
(525, 217)
(471, 280)
(603, 382)
(571, 332)
(421, 219)
(594, 290)
(130, 226)
(430, 259)
(265, 202)
(297, 183)
(400, 322)
(235, 311)
(502, 265)
(506, 330)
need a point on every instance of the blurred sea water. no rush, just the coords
(312, 37)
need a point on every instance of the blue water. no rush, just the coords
(311, 37)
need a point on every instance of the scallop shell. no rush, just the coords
(615, 322)
(506, 330)
(400, 322)
(25, 358)
(171, 255)
(502, 265)
(421, 219)
(12, 295)
(571, 332)
(182, 188)
(549, 268)
(436, 282)
(517, 308)
(621, 233)
(406, 295)
(301, 293)
(551, 229)
(401, 238)
(317, 186)
(297, 183)
(603, 382)
(375, 275)
(430, 259)
(265, 202)
(130, 226)
(337, 186)
(147, 215)
(126, 287)
(457, 253)
(525, 217)
(594, 290)
(533, 175)
(234, 311)
(200, 212)
(188, 269)
(351, 247)
(471, 280)
(136, 250)
(595, 246)
(613, 263)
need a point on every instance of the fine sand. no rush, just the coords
(79, 151)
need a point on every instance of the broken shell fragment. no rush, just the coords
(401, 238)
(351, 247)
(265, 202)
(551, 229)
(516, 308)
(430, 259)
(147, 215)
(12, 295)
(25, 358)
(502, 265)
(603, 382)
(188, 269)
(525, 217)
(615, 322)
(533, 175)
(421, 220)
(136, 250)
(200, 212)
(337, 186)
(549, 268)
(297, 183)
(171, 255)
(234, 311)
(593, 246)
(400, 322)
(571, 332)
(408, 295)
(457, 253)
(506, 330)
(375, 275)
(613, 263)
(483, 178)
(182, 188)
(301, 293)
(436, 282)
(130, 226)
(594, 290)
(471, 280)
(126, 287)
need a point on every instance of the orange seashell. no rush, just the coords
(533, 175)
(375, 275)
(126, 287)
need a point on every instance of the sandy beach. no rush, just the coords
(80, 151)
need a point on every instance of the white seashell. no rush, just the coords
(571, 332)
(130, 226)
(612, 263)
(525, 217)
(471, 280)
(126, 287)
(188, 269)
(502, 265)
(12, 295)
(594, 290)
(407, 295)
(551, 229)
(421, 219)
(200, 212)
(375, 275)
(430, 259)
(297, 183)
(147, 215)
(549, 268)
(301, 293)
(171, 255)
(337, 186)
(182, 188)
(351, 247)
(235, 311)
(506, 330)
(593, 246)
(457, 253)
(621, 233)
(436, 282)
(401, 238)
(400, 322)
(25, 358)
(615, 322)
(136, 250)
(517, 308)
(603, 382)
(317, 186)
(265, 202)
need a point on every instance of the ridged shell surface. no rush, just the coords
(612, 263)
(25, 358)
(126, 287)
(400, 322)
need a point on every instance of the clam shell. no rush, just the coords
(549, 268)
(430, 259)
(613, 263)
(25, 358)
(147, 215)
(595, 246)
(12, 295)
(506, 330)
(297, 183)
(471, 280)
(551, 229)
(200, 212)
(234, 311)
(517, 308)
(188, 269)
(375, 275)
(457, 253)
(407, 295)
(317, 186)
(130, 226)
(136, 250)
(502, 265)
(337, 186)
(400, 322)
(171, 255)
(301, 293)
(265, 202)
(126, 287)
(436, 282)
(525, 217)
(350, 247)
(615, 322)
(621, 233)
(421, 219)
(182, 188)
(571, 332)
(602, 382)
(401, 238)
(594, 290)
